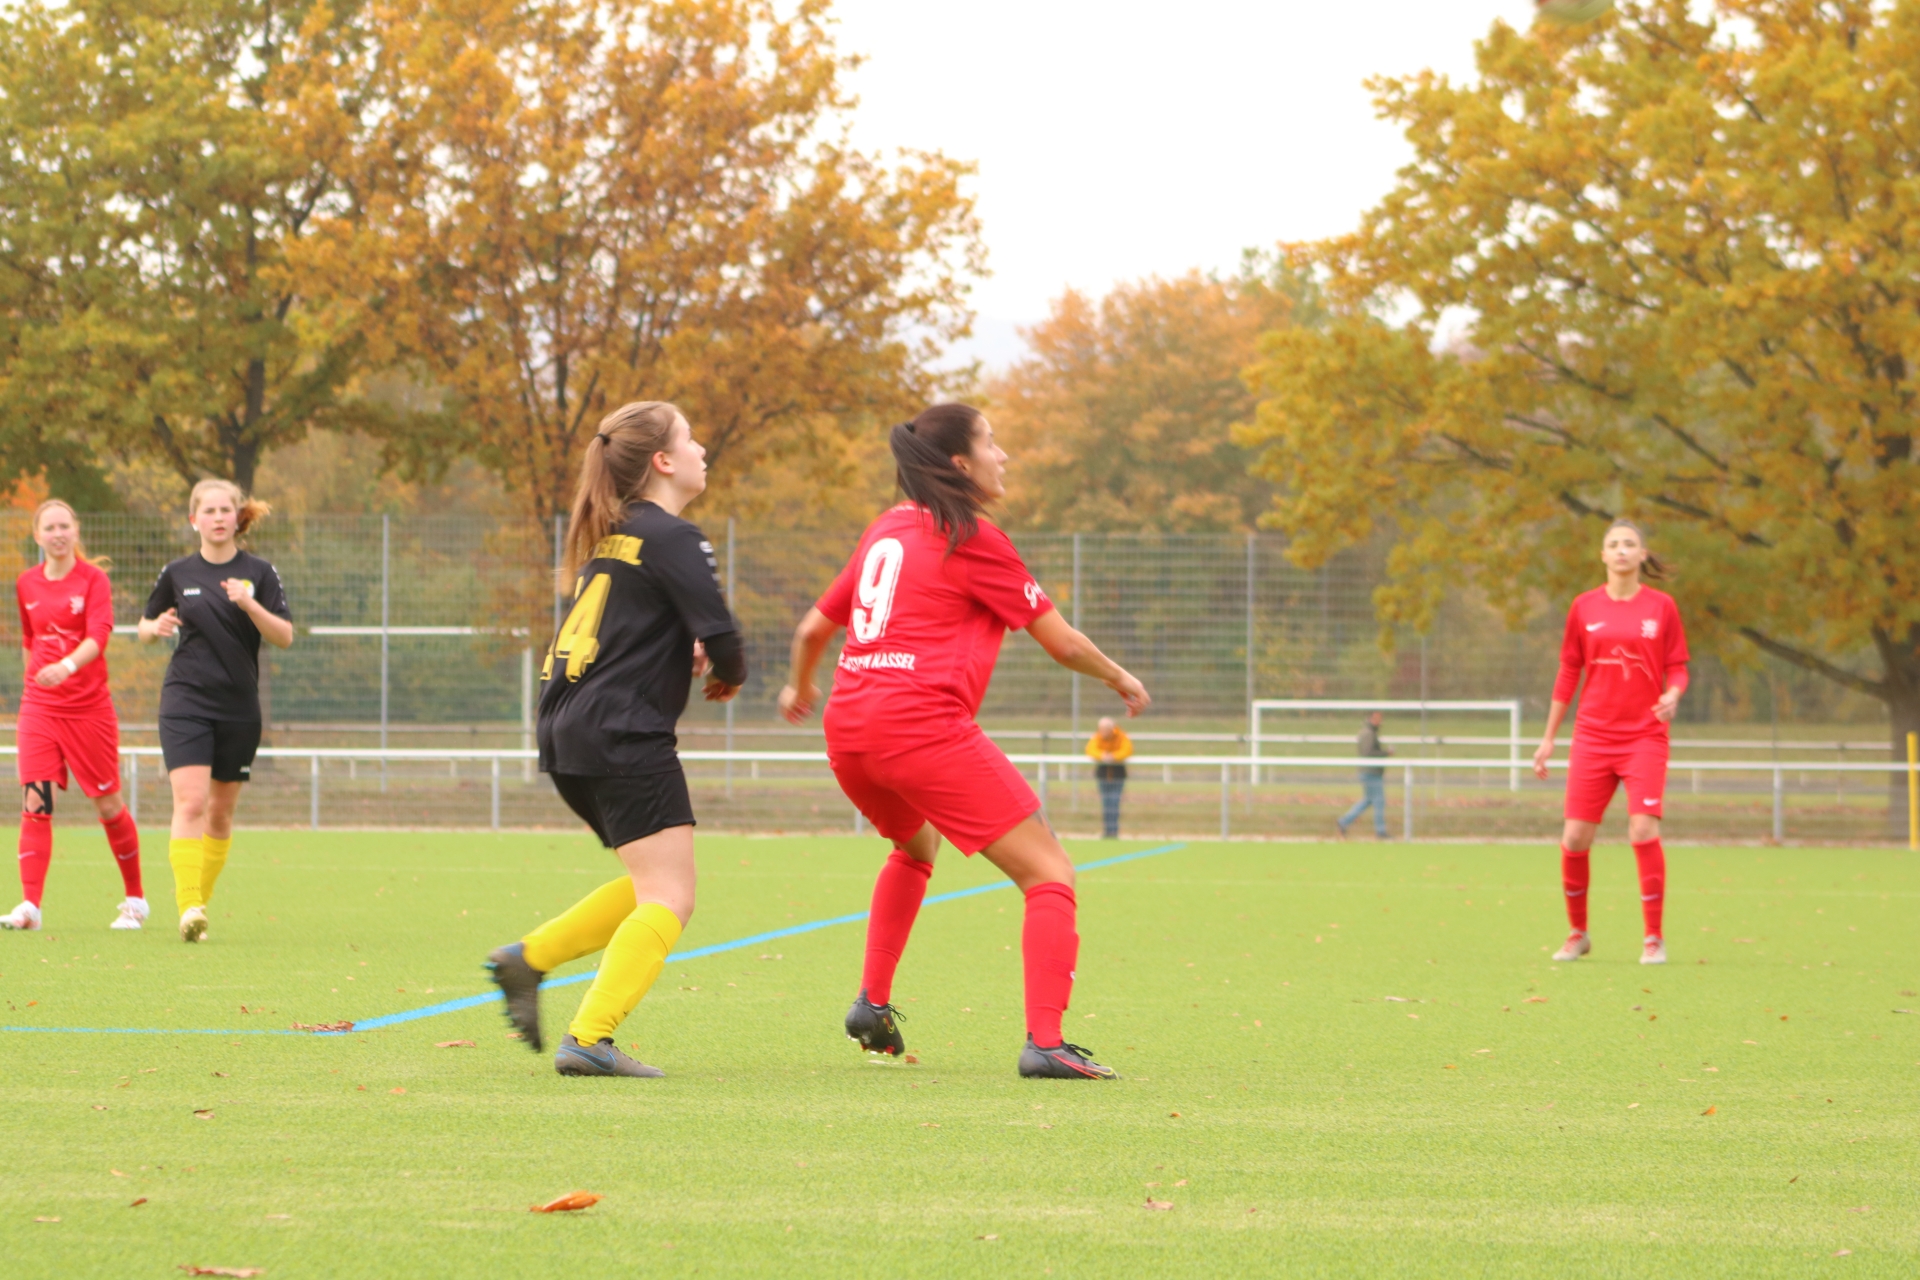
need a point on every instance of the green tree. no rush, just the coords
(1682, 254)
(157, 161)
(1120, 418)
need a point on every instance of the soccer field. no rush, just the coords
(1337, 1060)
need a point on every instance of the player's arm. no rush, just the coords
(1573, 657)
(682, 563)
(726, 664)
(266, 605)
(55, 674)
(810, 641)
(161, 618)
(1669, 702)
(1072, 650)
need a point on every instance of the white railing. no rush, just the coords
(1046, 767)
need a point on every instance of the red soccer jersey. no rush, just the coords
(1630, 650)
(55, 616)
(923, 628)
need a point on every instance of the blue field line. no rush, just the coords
(678, 957)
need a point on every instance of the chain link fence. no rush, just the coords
(427, 632)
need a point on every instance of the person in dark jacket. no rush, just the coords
(1373, 781)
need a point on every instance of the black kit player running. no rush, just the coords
(210, 701)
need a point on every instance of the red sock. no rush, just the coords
(1050, 948)
(36, 851)
(1576, 871)
(896, 902)
(123, 837)
(1653, 883)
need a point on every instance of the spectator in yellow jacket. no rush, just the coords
(1109, 749)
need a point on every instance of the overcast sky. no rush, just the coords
(1118, 140)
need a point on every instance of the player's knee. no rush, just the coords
(36, 799)
(1643, 827)
(108, 806)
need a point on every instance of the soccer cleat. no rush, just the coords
(193, 924)
(133, 914)
(24, 916)
(1062, 1062)
(874, 1027)
(603, 1059)
(519, 983)
(1576, 945)
(1654, 950)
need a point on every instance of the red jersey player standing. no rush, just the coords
(926, 599)
(1628, 640)
(67, 722)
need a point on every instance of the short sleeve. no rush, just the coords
(26, 628)
(99, 609)
(837, 604)
(998, 578)
(1573, 657)
(161, 598)
(271, 594)
(1676, 638)
(686, 569)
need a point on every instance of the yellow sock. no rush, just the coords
(212, 863)
(185, 856)
(633, 960)
(582, 929)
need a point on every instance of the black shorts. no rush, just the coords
(227, 745)
(622, 810)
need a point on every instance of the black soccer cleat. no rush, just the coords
(1062, 1062)
(519, 982)
(875, 1027)
(602, 1059)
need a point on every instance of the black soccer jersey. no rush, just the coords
(215, 671)
(617, 675)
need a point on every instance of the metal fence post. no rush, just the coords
(386, 608)
(1225, 781)
(313, 799)
(1779, 806)
(1043, 785)
(526, 710)
(1250, 581)
(731, 540)
(1406, 803)
(133, 791)
(496, 793)
(1076, 626)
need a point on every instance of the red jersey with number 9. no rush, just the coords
(1630, 651)
(923, 629)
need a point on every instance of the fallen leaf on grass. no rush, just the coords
(1903, 1011)
(1534, 1000)
(1632, 1105)
(1173, 1115)
(1398, 1000)
(1709, 1111)
(568, 1203)
(116, 1173)
(515, 1035)
(203, 1114)
(990, 1237)
(323, 1026)
(1841, 1253)
(396, 1090)
(1181, 1183)
(1449, 1067)
(1158, 1204)
(1860, 1208)
(46, 1219)
(221, 1074)
(99, 1107)
(913, 1060)
(454, 1044)
(928, 1124)
(222, 1271)
(137, 1203)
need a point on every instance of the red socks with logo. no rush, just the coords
(36, 851)
(1051, 948)
(896, 903)
(123, 837)
(1653, 883)
(1576, 872)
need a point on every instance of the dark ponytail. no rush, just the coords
(1653, 568)
(923, 453)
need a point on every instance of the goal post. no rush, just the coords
(1509, 705)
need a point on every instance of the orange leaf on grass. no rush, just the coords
(222, 1271)
(454, 1044)
(1534, 1000)
(137, 1203)
(568, 1203)
(1709, 1111)
(1158, 1204)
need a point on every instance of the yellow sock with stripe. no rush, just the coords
(582, 929)
(633, 960)
(212, 863)
(185, 857)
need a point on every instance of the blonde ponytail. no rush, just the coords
(611, 476)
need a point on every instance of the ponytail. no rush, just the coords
(247, 512)
(1653, 568)
(923, 453)
(104, 563)
(613, 473)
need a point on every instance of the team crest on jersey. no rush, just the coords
(77, 603)
(1649, 628)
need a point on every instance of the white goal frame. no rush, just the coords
(1509, 705)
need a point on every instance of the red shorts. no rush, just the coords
(1594, 771)
(50, 746)
(964, 785)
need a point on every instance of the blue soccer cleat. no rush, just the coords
(602, 1059)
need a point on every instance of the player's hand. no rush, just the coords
(796, 705)
(238, 590)
(718, 690)
(1542, 754)
(167, 623)
(1669, 703)
(1131, 692)
(51, 676)
(701, 662)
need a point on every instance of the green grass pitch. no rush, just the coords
(1338, 1060)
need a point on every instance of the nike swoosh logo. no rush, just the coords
(1595, 626)
(1652, 802)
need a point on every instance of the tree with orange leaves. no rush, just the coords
(1663, 265)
